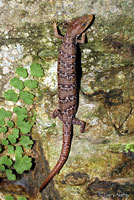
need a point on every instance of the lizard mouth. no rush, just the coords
(91, 17)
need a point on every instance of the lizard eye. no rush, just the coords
(84, 24)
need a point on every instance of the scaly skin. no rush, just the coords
(67, 86)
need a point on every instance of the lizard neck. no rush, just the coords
(70, 39)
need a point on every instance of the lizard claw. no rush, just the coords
(54, 22)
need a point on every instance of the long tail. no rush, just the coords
(63, 156)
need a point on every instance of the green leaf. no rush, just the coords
(21, 112)
(4, 129)
(6, 160)
(10, 175)
(16, 132)
(27, 97)
(10, 124)
(2, 167)
(10, 95)
(22, 72)
(21, 198)
(10, 149)
(36, 70)
(17, 83)
(19, 150)
(0, 148)
(4, 114)
(25, 127)
(129, 147)
(26, 142)
(2, 122)
(24, 164)
(5, 141)
(9, 197)
(32, 84)
(18, 153)
(12, 139)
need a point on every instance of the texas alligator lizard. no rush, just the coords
(67, 86)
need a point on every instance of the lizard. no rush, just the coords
(67, 86)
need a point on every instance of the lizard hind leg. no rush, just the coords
(80, 123)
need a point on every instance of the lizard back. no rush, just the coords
(67, 83)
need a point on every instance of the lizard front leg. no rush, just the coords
(56, 33)
(83, 38)
(57, 113)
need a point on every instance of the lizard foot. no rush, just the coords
(82, 124)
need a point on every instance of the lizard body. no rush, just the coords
(67, 86)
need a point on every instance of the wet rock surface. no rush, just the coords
(110, 189)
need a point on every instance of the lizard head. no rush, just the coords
(79, 25)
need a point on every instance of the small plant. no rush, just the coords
(10, 175)
(0, 148)
(27, 97)
(9, 197)
(26, 142)
(32, 84)
(15, 141)
(10, 124)
(17, 83)
(3, 129)
(4, 114)
(21, 112)
(16, 137)
(10, 95)
(129, 147)
(21, 198)
(36, 70)
(22, 72)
